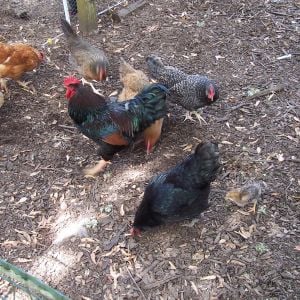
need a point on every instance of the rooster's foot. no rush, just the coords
(24, 85)
(92, 172)
(3, 85)
(189, 116)
(98, 92)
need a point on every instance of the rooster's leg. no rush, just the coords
(24, 85)
(91, 85)
(3, 85)
(92, 172)
(189, 116)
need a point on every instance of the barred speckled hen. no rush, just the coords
(189, 91)
(113, 125)
(181, 192)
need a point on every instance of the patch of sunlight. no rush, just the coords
(31, 2)
(68, 227)
(54, 265)
(132, 174)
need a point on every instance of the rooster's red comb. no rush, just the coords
(71, 80)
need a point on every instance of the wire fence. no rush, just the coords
(72, 7)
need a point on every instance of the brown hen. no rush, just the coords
(133, 83)
(15, 60)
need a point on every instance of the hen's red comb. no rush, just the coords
(71, 80)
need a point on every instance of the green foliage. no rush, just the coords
(261, 248)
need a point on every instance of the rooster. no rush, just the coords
(113, 125)
(15, 60)
(181, 192)
(133, 83)
(190, 91)
(91, 62)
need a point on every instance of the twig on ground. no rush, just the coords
(246, 102)
(110, 7)
(265, 92)
(66, 126)
(161, 282)
(117, 16)
(114, 241)
(135, 283)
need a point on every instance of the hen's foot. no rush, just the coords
(98, 92)
(24, 85)
(92, 172)
(189, 116)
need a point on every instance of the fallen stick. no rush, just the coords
(135, 283)
(160, 282)
(247, 99)
(110, 7)
(265, 92)
(117, 16)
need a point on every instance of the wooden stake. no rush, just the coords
(87, 15)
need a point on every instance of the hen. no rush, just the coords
(113, 125)
(181, 192)
(91, 61)
(15, 60)
(190, 91)
(133, 83)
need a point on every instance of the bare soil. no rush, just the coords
(72, 231)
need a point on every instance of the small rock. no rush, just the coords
(9, 166)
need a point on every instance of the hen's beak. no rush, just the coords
(102, 74)
(135, 232)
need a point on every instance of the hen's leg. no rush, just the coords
(92, 172)
(189, 116)
(24, 85)
(253, 209)
(91, 85)
(3, 85)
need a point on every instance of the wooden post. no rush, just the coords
(87, 15)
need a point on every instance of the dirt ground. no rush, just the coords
(72, 231)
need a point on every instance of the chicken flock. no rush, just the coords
(179, 193)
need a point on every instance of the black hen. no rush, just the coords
(180, 193)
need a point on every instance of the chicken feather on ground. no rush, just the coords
(15, 60)
(134, 81)
(91, 62)
(113, 125)
(192, 92)
(181, 192)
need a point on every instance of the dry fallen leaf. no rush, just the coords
(226, 143)
(194, 287)
(122, 212)
(172, 266)
(209, 277)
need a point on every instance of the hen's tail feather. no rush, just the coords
(137, 114)
(125, 67)
(67, 29)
